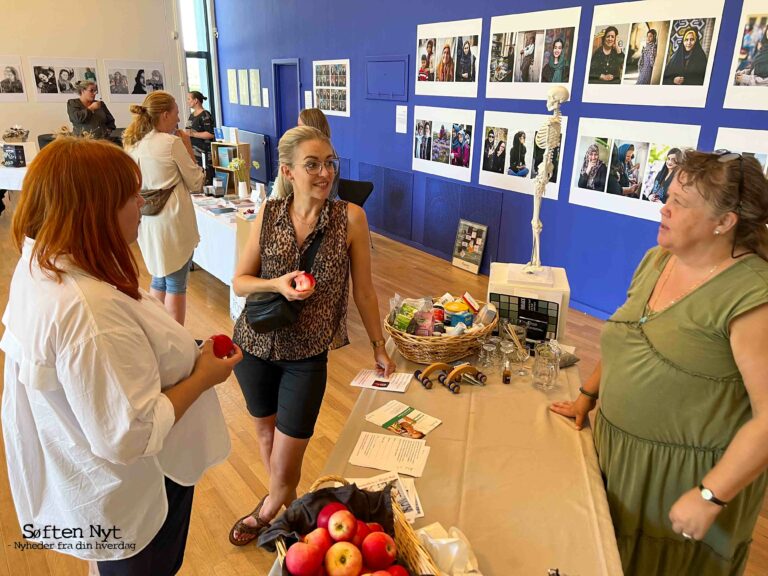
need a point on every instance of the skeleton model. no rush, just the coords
(548, 138)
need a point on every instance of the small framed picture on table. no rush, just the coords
(469, 246)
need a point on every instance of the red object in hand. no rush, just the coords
(222, 345)
(304, 281)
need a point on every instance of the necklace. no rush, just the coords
(649, 307)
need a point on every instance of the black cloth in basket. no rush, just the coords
(301, 517)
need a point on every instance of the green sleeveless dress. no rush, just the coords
(672, 399)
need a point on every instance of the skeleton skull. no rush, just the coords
(556, 96)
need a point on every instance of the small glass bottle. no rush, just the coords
(506, 373)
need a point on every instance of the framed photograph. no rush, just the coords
(748, 81)
(469, 246)
(12, 86)
(442, 141)
(131, 81)
(330, 79)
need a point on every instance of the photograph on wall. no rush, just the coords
(626, 167)
(510, 158)
(652, 52)
(132, 80)
(447, 57)
(746, 142)
(469, 246)
(690, 43)
(443, 141)
(748, 81)
(55, 79)
(330, 79)
(529, 52)
(12, 86)
(645, 60)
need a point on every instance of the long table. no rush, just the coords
(521, 483)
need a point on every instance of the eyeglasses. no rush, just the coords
(92, 90)
(314, 167)
(724, 156)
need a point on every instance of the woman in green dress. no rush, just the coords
(680, 432)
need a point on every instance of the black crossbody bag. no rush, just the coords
(268, 311)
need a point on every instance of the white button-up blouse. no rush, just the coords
(89, 435)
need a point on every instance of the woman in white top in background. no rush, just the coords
(109, 413)
(164, 155)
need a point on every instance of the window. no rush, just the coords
(197, 50)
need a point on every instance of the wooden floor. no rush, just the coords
(232, 488)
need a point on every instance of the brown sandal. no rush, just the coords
(252, 531)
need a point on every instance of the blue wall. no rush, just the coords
(598, 249)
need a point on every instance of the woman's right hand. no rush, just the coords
(285, 287)
(213, 370)
(95, 105)
(578, 409)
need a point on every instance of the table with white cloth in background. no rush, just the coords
(216, 252)
(521, 483)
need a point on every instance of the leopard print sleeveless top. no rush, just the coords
(322, 322)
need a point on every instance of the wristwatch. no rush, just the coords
(709, 496)
(377, 343)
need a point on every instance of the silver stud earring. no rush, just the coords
(717, 232)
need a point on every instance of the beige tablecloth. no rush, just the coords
(518, 480)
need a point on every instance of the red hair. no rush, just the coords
(71, 194)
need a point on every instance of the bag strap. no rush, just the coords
(308, 258)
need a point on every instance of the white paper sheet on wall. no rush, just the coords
(265, 97)
(255, 81)
(308, 99)
(401, 119)
(242, 80)
(232, 85)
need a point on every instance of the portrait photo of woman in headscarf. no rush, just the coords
(466, 59)
(446, 64)
(755, 72)
(665, 175)
(557, 55)
(517, 154)
(645, 53)
(593, 171)
(687, 57)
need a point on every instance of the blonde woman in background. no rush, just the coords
(314, 118)
(164, 155)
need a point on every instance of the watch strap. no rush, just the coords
(377, 343)
(712, 498)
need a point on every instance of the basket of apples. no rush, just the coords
(344, 542)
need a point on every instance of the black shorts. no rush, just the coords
(164, 555)
(292, 389)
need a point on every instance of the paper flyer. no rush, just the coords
(403, 420)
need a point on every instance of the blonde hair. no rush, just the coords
(146, 116)
(286, 150)
(315, 118)
(83, 85)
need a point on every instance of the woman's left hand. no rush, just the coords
(383, 362)
(692, 516)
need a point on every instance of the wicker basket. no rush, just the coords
(409, 550)
(429, 349)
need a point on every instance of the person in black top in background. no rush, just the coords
(200, 129)
(607, 62)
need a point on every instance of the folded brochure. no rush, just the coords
(403, 420)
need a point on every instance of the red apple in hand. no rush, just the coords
(320, 538)
(222, 345)
(304, 281)
(303, 559)
(379, 550)
(325, 513)
(360, 534)
(342, 526)
(343, 559)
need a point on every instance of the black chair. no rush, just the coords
(355, 191)
(44, 139)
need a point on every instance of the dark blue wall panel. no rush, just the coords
(598, 249)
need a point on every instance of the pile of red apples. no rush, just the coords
(342, 545)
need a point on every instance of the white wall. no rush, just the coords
(100, 29)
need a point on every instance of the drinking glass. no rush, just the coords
(520, 355)
(495, 340)
(489, 350)
(544, 368)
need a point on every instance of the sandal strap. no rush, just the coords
(244, 528)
